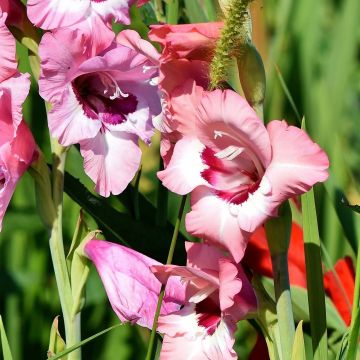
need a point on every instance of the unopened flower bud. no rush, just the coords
(252, 77)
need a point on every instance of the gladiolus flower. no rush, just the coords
(218, 295)
(17, 146)
(104, 100)
(132, 288)
(239, 171)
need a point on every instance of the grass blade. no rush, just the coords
(4, 342)
(314, 276)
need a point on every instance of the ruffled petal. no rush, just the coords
(203, 256)
(53, 14)
(297, 162)
(132, 40)
(8, 63)
(183, 173)
(19, 86)
(211, 219)
(61, 53)
(68, 121)
(111, 160)
(131, 287)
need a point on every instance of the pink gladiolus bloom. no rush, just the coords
(187, 52)
(104, 100)
(218, 295)
(17, 146)
(239, 171)
(132, 288)
(53, 14)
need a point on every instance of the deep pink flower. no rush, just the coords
(104, 100)
(132, 288)
(238, 171)
(218, 296)
(53, 14)
(17, 146)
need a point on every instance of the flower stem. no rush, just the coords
(278, 232)
(283, 302)
(151, 349)
(72, 324)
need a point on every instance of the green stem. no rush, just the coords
(283, 302)
(151, 350)
(72, 324)
(355, 316)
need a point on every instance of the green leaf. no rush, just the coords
(81, 343)
(298, 352)
(195, 12)
(314, 277)
(56, 343)
(4, 342)
(355, 208)
(143, 236)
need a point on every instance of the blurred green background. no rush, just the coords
(316, 47)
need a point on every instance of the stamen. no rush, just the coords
(246, 150)
(147, 68)
(109, 82)
(229, 153)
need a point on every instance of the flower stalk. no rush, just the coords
(151, 349)
(72, 323)
(278, 232)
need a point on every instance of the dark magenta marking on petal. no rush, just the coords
(93, 96)
(217, 170)
(239, 197)
(209, 315)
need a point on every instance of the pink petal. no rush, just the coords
(8, 63)
(19, 86)
(226, 118)
(187, 40)
(201, 282)
(185, 339)
(256, 209)
(132, 40)
(203, 256)
(17, 151)
(53, 14)
(111, 160)
(131, 287)
(237, 296)
(297, 162)
(230, 283)
(68, 121)
(183, 173)
(61, 54)
(212, 220)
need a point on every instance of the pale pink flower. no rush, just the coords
(104, 100)
(239, 171)
(17, 146)
(53, 14)
(218, 296)
(132, 288)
